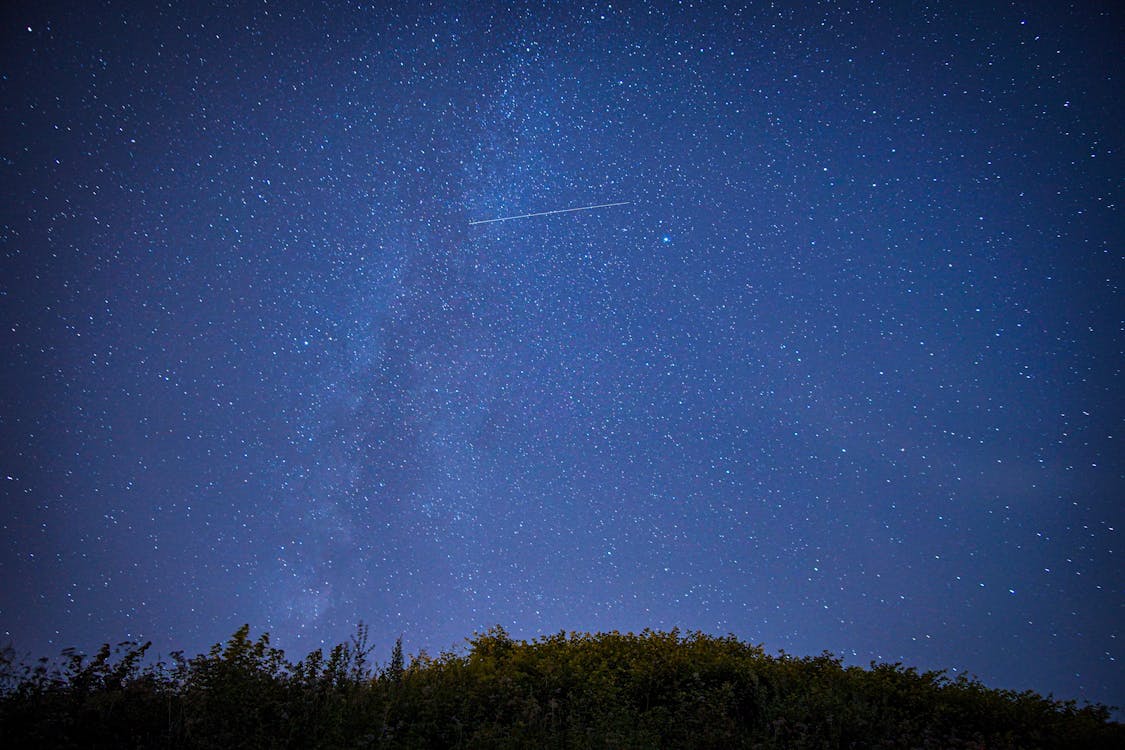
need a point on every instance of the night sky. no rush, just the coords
(845, 373)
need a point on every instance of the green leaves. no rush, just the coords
(576, 690)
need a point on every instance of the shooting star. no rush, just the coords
(548, 213)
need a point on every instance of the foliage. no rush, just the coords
(609, 690)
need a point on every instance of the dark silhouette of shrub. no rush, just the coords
(652, 689)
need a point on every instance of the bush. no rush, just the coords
(609, 690)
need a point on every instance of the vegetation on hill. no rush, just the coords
(610, 690)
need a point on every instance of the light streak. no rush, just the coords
(548, 213)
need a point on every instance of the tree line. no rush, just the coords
(607, 690)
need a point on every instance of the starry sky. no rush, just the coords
(844, 373)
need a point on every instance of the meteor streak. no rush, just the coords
(548, 213)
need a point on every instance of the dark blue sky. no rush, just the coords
(844, 374)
